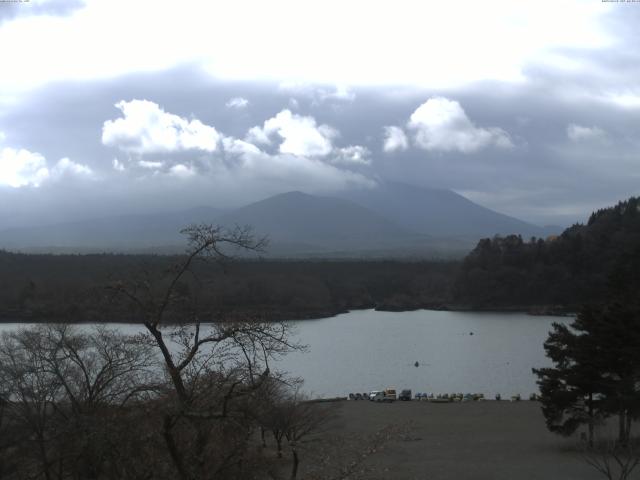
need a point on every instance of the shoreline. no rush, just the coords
(534, 311)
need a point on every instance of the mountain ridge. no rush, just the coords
(392, 219)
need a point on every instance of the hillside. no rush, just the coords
(391, 220)
(120, 233)
(300, 222)
(441, 213)
(577, 267)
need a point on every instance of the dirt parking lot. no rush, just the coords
(485, 440)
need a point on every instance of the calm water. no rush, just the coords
(367, 350)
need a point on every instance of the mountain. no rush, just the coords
(393, 219)
(441, 213)
(119, 233)
(299, 222)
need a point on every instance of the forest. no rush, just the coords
(572, 269)
(551, 275)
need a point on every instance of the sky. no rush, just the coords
(107, 107)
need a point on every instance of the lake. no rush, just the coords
(363, 350)
(464, 352)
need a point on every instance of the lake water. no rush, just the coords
(367, 350)
(464, 352)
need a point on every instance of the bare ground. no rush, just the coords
(486, 440)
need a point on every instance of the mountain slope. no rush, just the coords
(585, 264)
(313, 222)
(126, 232)
(439, 212)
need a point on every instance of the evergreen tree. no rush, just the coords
(596, 370)
(570, 390)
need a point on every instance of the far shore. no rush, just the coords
(535, 311)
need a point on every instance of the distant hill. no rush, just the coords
(579, 266)
(441, 213)
(298, 222)
(120, 233)
(392, 220)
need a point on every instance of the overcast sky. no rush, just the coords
(107, 106)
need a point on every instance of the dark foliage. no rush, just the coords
(567, 271)
(596, 359)
(70, 288)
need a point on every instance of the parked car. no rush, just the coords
(405, 395)
(376, 396)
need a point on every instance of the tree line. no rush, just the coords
(70, 288)
(567, 271)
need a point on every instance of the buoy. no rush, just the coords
(416, 364)
(470, 333)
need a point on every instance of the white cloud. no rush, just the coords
(147, 128)
(182, 171)
(300, 135)
(395, 139)
(19, 168)
(118, 166)
(352, 155)
(67, 167)
(258, 136)
(317, 94)
(235, 147)
(237, 102)
(627, 100)
(441, 124)
(303, 155)
(434, 34)
(149, 164)
(578, 133)
(22, 168)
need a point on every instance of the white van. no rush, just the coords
(376, 396)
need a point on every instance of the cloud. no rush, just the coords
(20, 168)
(118, 166)
(300, 135)
(441, 124)
(151, 165)
(318, 94)
(395, 139)
(300, 155)
(66, 167)
(182, 171)
(578, 133)
(237, 102)
(147, 128)
(11, 10)
(352, 155)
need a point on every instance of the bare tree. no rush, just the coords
(62, 389)
(213, 363)
(612, 459)
(304, 419)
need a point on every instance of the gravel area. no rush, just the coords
(486, 440)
